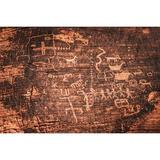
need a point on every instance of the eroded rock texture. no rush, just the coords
(79, 80)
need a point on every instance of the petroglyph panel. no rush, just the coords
(79, 80)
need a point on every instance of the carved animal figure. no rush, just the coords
(72, 61)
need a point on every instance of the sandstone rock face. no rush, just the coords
(78, 80)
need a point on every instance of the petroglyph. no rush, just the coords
(119, 103)
(108, 75)
(99, 59)
(71, 61)
(113, 59)
(138, 72)
(116, 67)
(77, 79)
(133, 83)
(103, 96)
(88, 98)
(145, 83)
(123, 76)
(131, 110)
(70, 37)
(67, 76)
(66, 95)
(78, 84)
(129, 93)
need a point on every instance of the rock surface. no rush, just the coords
(76, 80)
